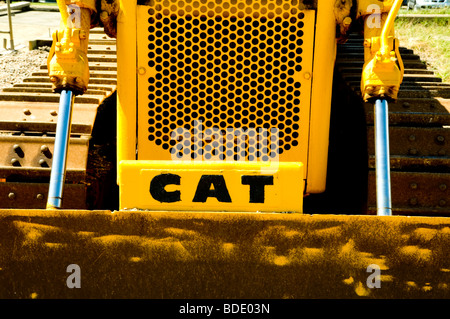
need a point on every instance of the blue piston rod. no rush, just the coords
(382, 161)
(58, 172)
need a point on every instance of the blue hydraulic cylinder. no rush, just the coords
(382, 161)
(58, 172)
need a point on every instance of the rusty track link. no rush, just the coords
(27, 129)
(419, 134)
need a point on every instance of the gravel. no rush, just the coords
(15, 66)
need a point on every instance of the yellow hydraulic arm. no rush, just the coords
(69, 72)
(383, 67)
(67, 61)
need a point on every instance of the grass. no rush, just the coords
(429, 38)
(425, 11)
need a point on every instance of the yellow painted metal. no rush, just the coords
(67, 60)
(324, 57)
(383, 67)
(248, 66)
(187, 97)
(343, 16)
(147, 150)
(211, 186)
(126, 82)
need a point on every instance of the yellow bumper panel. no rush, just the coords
(211, 186)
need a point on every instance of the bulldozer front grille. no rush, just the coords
(226, 78)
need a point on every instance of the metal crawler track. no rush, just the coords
(419, 133)
(27, 132)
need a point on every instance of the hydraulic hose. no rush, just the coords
(387, 27)
(63, 11)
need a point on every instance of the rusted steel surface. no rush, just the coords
(45, 79)
(36, 151)
(416, 163)
(419, 134)
(426, 142)
(108, 88)
(415, 111)
(24, 174)
(42, 116)
(28, 125)
(34, 195)
(416, 193)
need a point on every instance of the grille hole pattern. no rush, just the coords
(221, 65)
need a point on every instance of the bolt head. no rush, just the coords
(347, 21)
(12, 195)
(104, 15)
(15, 162)
(141, 70)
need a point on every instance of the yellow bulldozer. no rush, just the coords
(245, 152)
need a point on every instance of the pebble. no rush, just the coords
(16, 66)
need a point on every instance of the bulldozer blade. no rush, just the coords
(166, 255)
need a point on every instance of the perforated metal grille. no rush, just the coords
(224, 65)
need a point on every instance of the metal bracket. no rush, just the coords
(37, 152)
